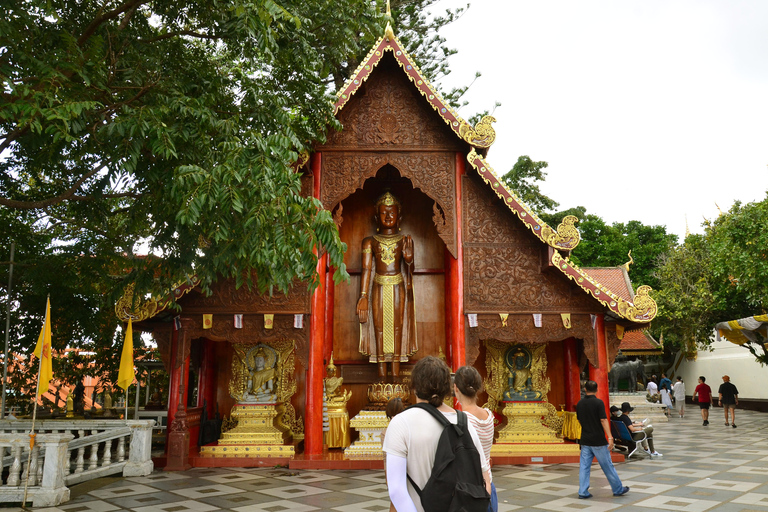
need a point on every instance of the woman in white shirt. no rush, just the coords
(467, 383)
(678, 390)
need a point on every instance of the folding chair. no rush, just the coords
(626, 435)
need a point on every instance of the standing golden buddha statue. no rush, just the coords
(336, 399)
(385, 306)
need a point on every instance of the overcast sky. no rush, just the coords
(645, 110)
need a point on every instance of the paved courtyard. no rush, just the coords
(714, 468)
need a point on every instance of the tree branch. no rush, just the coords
(96, 23)
(179, 33)
(31, 205)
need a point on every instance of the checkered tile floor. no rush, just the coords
(714, 468)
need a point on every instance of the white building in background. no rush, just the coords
(726, 358)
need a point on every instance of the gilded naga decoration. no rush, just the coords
(482, 135)
(566, 235)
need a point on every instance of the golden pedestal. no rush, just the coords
(524, 432)
(254, 436)
(370, 424)
(338, 433)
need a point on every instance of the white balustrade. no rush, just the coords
(58, 458)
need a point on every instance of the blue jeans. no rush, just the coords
(603, 457)
(494, 505)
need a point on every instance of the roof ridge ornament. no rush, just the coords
(482, 135)
(627, 264)
(389, 34)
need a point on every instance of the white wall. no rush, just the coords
(727, 358)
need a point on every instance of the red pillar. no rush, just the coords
(599, 374)
(313, 411)
(456, 270)
(174, 383)
(572, 378)
(178, 437)
(329, 297)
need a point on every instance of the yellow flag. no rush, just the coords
(207, 321)
(43, 351)
(126, 374)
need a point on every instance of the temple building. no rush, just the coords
(444, 261)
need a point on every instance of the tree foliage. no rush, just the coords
(522, 180)
(608, 245)
(718, 276)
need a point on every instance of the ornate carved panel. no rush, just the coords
(431, 172)
(484, 217)
(388, 112)
(227, 299)
(520, 329)
(508, 278)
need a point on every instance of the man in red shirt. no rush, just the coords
(704, 393)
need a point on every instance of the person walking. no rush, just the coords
(704, 394)
(467, 383)
(729, 399)
(596, 442)
(413, 435)
(678, 389)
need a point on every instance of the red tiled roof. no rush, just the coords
(638, 340)
(614, 278)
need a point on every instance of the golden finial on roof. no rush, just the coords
(687, 231)
(388, 32)
(718, 209)
(627, 264)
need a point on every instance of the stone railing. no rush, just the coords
(69, 452)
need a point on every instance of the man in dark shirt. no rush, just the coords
(729, 397)
(704, 393)
(665, 383)
(590, 411)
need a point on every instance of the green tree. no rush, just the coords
(718, 276)
(604, 245)
(522, 180)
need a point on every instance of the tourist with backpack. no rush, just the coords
(435, 461)
(467, 383)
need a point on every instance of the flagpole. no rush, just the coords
(7, 331)
(126, 403)
(34, 412)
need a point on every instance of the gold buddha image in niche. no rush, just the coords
(385, 307)
(518, 364)
(261, 361)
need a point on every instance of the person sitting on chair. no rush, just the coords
(637, 428)
(618, 441)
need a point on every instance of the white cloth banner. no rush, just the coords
(749, 323)
(537, 319)
(594, 320)
(238, 321)
(298, 321)
(472, 317)
(177, 323)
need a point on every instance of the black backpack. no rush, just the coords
(456, 483)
